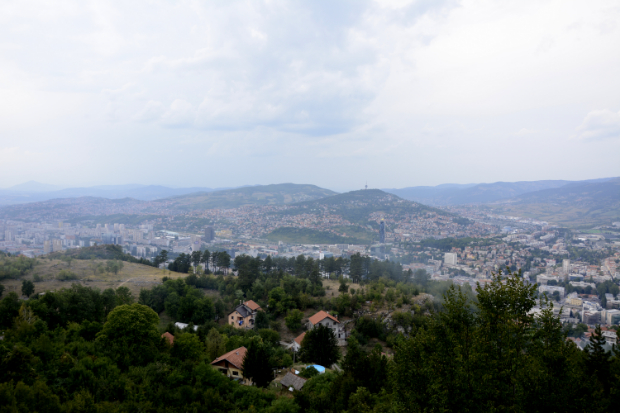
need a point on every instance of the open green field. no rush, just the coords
(132, 276)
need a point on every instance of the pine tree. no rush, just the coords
(256, 364)
(320, 346)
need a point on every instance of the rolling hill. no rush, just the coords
(454, 194)
(357, 206)
(577, 205)
(277, 194)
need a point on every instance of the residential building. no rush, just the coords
(231, 364)
(209, 234)
(244, 315)
(292, 381)
(550, 289)
(450, 258)
(330, 321)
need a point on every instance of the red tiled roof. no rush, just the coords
(234, 357)
(253, 306)
(300, 338)
(320, 316)
(169, 337)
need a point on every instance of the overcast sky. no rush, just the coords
(333, 93)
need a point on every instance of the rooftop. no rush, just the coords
(234, 357)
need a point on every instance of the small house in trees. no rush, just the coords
(231, 364)
(292, 381)
(169, 338)
(330, 321)
(296, 344)
(244, 315)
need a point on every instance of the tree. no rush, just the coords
(261, 321)
(597, 359)
(320, 346)
(130, 335)
(256, 364)
(216, 344)
(187, 346)
(293, 320)
(124, 296)
(355, 268)
(27, 288)
(9, 309)
(196, 258)
(206, 256)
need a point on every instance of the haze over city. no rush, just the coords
(224, 94)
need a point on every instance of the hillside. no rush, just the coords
(352, 217)
(358, 206)
(577, 205)
(453, 194)
(277, 194)
(312, 236)
(69, 208)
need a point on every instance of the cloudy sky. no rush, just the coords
(334, 93)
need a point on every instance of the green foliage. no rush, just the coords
(130, 335)
(9, 309)
(15, 267)
(27, 288)
(187, 346)
(100, 252)
(293, 320)
(492, 355)
(310, 236)
(216, 344)
(309, 372)
(66, 275)
(320, 346)
(256, 364)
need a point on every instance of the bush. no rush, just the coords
(309, 372)
(65, 275)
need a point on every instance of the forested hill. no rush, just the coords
(359, 206)
(277, 194)
(455, 194)
(575, 205)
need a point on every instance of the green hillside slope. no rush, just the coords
(278, 194)
(576, 205)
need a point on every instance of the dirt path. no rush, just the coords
(124, 282)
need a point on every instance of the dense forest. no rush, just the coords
(81, 349)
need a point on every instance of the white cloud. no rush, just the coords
(599, 125)
(180, 114)
(410, 92)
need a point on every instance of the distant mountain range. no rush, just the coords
(580, 204)
(455, 194)
(36, 192)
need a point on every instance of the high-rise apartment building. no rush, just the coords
(47, 247)
(566, 266)
(56, 245)
(209, 234)
(450, 258)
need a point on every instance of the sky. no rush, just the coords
(333, 93)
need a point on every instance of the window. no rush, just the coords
(235, 373)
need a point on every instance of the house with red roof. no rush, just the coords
(244, 315)
(231, 364)
(169, 338)
(328, 320)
